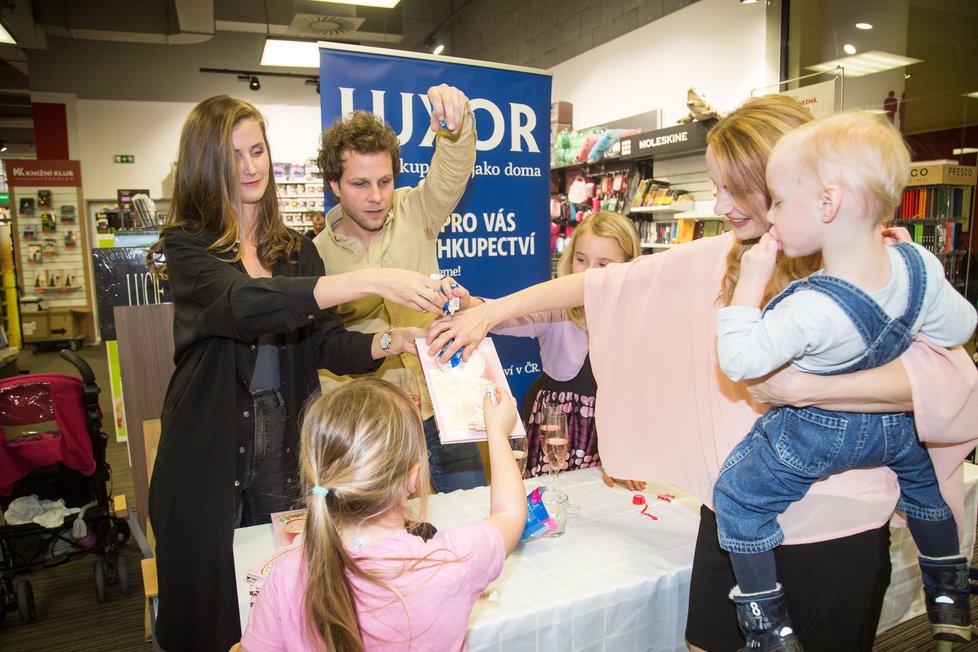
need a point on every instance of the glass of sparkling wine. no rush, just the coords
(518, 444)
(553, 435)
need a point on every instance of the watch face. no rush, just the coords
(385, 341)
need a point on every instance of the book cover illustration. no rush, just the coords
(287, 526)
(457, 392)
(26, 206)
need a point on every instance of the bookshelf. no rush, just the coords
(676, 228)
(937, 209)
(297, 198)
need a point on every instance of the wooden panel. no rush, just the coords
(145, 336)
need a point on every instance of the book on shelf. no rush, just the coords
(685, 230)
(458, 388)
(932, 202)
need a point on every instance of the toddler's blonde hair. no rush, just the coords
(861, 153)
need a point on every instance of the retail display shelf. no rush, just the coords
(657, 209)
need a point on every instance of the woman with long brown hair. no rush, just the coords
(667, 413)
(251, 327)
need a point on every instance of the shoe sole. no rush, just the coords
(951, 633)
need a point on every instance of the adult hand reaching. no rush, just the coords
(407, 288)
(448, 104)
(402, 339)
(468, 327)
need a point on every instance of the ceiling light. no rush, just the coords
(865, 63)
(957, 151)
(849, 48)
(972, 95)
(254, 84)
(293, 54)
(383, 4)
(3, 146)
(864, 26)
(5, 37)
(434, 46)
(748, 2)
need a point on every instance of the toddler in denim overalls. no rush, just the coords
(832, 183)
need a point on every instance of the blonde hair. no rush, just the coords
(861, 153)
(361, 442)
(205, 190)
(741, 144)
(604, 224)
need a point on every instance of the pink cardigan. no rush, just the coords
(667, 413)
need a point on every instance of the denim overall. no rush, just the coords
(788, 449)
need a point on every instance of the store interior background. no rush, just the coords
(127, 73)
(106, 77)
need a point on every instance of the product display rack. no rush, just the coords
(297, 198)
(667, 193)
(300, 192)
(937, 209)
(50, 243)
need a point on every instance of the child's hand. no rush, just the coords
(500, 412)
(895, 234)
(756, 268)
(759, 261)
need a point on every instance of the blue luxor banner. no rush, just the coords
(497, 240)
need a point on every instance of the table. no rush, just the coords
(617, 580)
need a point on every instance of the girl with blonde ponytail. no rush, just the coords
(370, 575)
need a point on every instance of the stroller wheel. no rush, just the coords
(123, 530)
(99, 570)
(123, 570)
(25, 601)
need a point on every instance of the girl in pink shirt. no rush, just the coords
(362, 580)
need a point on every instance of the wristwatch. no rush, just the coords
(385, 341)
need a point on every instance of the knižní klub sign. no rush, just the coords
(24, 173)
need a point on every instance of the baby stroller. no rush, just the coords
(52, 447)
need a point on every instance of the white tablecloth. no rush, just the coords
(618, 580)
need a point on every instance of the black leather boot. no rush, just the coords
(947, 594)
(763, 618)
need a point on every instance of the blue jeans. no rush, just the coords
(263, 491)
(789, 449)
(453, 466)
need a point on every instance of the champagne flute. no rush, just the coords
(518, 444)
(553, 436)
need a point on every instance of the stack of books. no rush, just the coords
(286, 530)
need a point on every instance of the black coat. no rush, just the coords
(207, 421)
